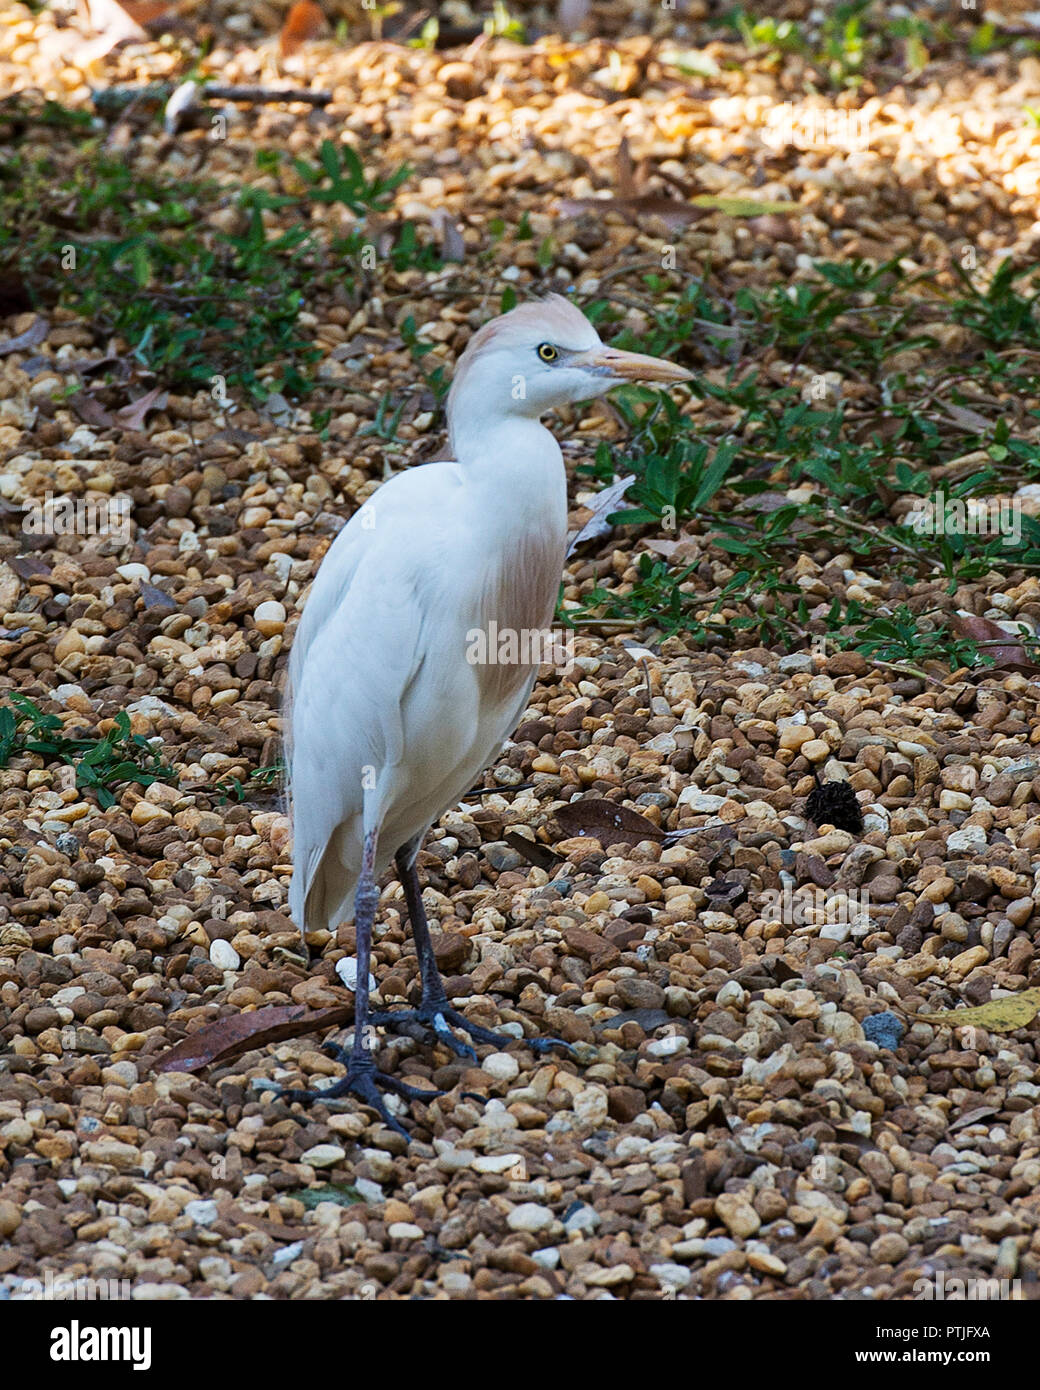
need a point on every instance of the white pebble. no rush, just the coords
(223, 955)
(501, 1066)
(203, 1213)
(529, 1216)
(323, 1155)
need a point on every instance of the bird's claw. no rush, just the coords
(441, 1019)
(363, 1081)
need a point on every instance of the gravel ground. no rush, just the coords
(731, 1124)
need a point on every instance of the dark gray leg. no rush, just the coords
(362, 1079)
(434, 1011)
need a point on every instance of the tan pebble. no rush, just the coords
(650, 886)
(71, 642)
(765, 1263)
(737, 1215)
(968, 960)
(938, 890)
(795, 735)
(816, 749)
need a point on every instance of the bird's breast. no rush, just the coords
(516, 612)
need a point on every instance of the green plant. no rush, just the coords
(901, 636)
(261, 779)
(676, 485)
(100, 762)
(196, 294)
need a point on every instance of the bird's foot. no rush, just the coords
(365, 1083)
(440, 1018)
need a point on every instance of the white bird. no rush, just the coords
(390, 723)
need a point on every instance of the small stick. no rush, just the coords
(267, 95)
(158, 93)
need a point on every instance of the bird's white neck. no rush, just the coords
(513, 455)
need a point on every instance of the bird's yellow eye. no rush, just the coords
(547, 352)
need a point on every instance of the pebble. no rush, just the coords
(583, 1218)
(885, 1029)
(530, 1217)
(203, 1213)
(323, 1155)
(970, 840)
(737, 1215)
(223, 955)
(502, 1066)
(671, 1046)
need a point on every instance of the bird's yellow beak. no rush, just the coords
(629, 366)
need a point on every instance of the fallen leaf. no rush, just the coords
(682, 550)
(541, 856)
(998, 1016)
(28, 566)
(1007, 651)
(230, 1037)
(183, 100)
(90, 411)
(967, 419)
(35, 333)
(606, 822)
(303, 22)
(132, 416)
(603, 504)
(626, 179)
(972, 1117)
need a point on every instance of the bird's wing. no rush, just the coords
(357, 652)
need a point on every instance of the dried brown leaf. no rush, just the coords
(541, 856)
(28, 566)
(132, 416)
(1007, 651)
(230, 1037)
(35, 333)
(91, 411)
(606, 822)
(967, 419)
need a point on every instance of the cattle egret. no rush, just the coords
(390, 723)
